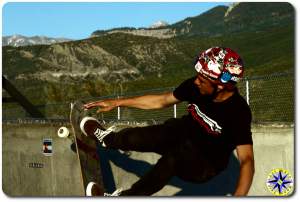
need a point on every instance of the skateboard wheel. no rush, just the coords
(63, 132)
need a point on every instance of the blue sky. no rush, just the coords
(78, 20)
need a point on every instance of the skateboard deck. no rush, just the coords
(86, 149)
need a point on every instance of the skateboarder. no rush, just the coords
(197, 146)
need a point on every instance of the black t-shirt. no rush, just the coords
(215, 127)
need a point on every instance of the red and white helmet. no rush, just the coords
(221, 64)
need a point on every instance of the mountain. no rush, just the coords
(19, 40)
(158, 32)
(122, 61)
(221, 20)
(238, 18)
(66, 60)
(159, 24)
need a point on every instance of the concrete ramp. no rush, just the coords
(273, 149)
(27, 171)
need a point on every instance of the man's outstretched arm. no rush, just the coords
(246, 158)
(141, 102)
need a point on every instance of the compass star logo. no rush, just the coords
(280, 182)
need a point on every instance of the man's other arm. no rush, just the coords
(246, 158)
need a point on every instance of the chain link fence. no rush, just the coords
(271, 99)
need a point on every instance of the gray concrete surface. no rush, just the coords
(274, 147)
(60, 176)
(22, 145)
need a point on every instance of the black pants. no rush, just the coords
(180, 156)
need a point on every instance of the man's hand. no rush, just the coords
(104, 106)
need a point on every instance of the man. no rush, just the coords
(197, 146)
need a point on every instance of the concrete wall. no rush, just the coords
(22, 144)
(274, 147)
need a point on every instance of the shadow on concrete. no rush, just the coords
(221, 185)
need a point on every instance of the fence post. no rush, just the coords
(175, 111)
(247, 92)
(119, 112)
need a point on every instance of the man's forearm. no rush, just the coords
(141, 102)
(145, 102)
(245, 178)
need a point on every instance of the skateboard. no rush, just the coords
(86, 149)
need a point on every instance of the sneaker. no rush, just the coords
(92, 128)
(115, 193)
(93, 189)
